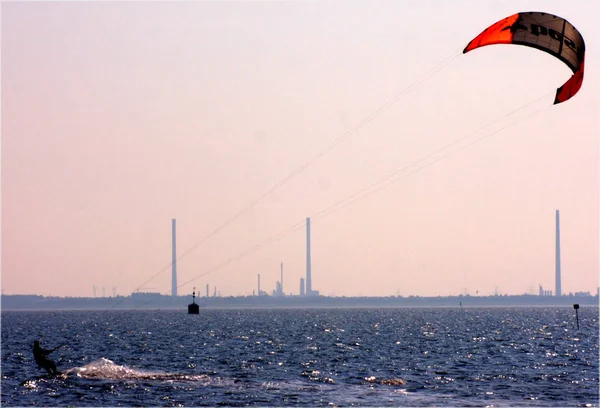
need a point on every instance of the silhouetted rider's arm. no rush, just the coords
(45, 352)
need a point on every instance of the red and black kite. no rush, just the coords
(543, 31)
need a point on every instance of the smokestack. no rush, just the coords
(558, 288)
(207, 290)
(259, 284)
(174, 258)
(308, 277)
(282, 278)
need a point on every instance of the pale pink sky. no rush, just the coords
(118, 117)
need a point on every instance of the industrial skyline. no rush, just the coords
(305, 283)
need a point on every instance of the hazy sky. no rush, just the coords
(118, 117)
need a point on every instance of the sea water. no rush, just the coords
(304, 357)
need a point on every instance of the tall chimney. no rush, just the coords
(558, 288)
(174, 258)
(259, 284)
(308, 277)
(282, 278)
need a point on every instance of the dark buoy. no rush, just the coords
(193, 308)
(576, 307)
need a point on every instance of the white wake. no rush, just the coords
(108, 370)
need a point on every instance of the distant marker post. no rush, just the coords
(576, 307)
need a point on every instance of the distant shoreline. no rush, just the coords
(153, 301)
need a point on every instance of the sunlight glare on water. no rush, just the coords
(310, 357)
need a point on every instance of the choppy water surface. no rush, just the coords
(312, 357)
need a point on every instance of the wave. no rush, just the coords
(108, 370)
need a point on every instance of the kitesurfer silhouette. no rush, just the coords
(42, 361)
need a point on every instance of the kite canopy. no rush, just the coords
(543, 31)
